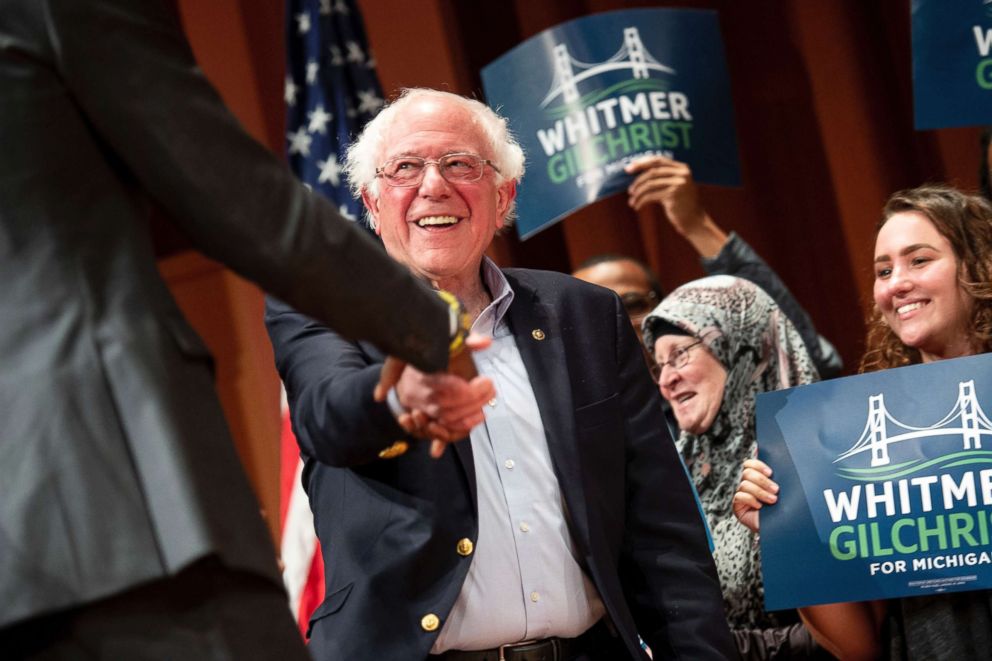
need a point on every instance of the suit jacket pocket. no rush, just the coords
(332, 604)
(597, 413)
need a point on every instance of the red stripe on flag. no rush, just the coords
(303, 566)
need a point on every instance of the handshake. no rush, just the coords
(442, 407)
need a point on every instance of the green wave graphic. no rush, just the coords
(967, 462)
(880, 469)
(883, 473)
(632, 85)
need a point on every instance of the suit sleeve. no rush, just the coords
(329, 382)
(129, 68)
(666, 566)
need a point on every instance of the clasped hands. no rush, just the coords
(441, 407)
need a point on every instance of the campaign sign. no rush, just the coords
(886, 485)
(952, 63)
(588, 96)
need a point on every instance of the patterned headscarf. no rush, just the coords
(762, 351)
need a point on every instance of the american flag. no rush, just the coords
(331, 91)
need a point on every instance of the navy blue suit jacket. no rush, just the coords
(389, 527)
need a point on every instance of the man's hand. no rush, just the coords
(441, 407)
(756, 489)
(460, 365)
(669, 183)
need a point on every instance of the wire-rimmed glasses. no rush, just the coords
(676, 360)
(404, 171)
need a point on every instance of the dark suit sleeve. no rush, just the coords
(129, 68)
(329, 382)
(666, 567)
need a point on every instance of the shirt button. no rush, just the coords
(430, 622)
(535, 597)
(524, 527)
(509, 464)
(465, 546)
(492, 402)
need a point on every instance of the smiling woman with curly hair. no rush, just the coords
(965, 221)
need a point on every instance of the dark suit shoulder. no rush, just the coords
(554, 284)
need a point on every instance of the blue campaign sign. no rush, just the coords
(952, 63)
(587, 96)
(886, 485)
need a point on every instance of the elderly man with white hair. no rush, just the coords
(562, 526)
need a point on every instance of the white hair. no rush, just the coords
(504, 151)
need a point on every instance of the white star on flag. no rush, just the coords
(341, 7)
(291, 91)
(336, 58)
(329, 170)
(368, 102)
(312, 69)
(318, 119)
(355, 52)
(344, 212)
(303, 22)
(325, 7)
(299, 142)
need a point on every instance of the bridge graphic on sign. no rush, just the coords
(632, 55)
(966, 418)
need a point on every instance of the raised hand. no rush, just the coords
(669, 183)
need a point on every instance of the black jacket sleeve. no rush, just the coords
(739, 259)
(129, 69)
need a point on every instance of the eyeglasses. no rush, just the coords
(404, 171)
(638, 304)
(676, 360)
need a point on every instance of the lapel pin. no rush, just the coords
(537, 334)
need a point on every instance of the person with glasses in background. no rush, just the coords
(670, 184)
(718, 342)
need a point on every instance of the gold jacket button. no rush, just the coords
(537, 334)
(430, 622)
(465, 546)
(394, 450)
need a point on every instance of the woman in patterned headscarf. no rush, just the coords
(718, 342)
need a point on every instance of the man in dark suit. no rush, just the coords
(564, 527)
(127, 528)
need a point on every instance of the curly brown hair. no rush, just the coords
(966, 222)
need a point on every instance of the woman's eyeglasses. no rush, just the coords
(676, 360)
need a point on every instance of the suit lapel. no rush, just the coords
(537, 329)
(463, 450)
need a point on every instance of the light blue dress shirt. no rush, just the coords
(525, 581)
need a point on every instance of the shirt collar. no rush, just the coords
(493, 316)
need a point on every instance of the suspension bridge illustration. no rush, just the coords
(631, 55)
(967, 414)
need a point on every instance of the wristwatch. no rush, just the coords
(460, 323)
